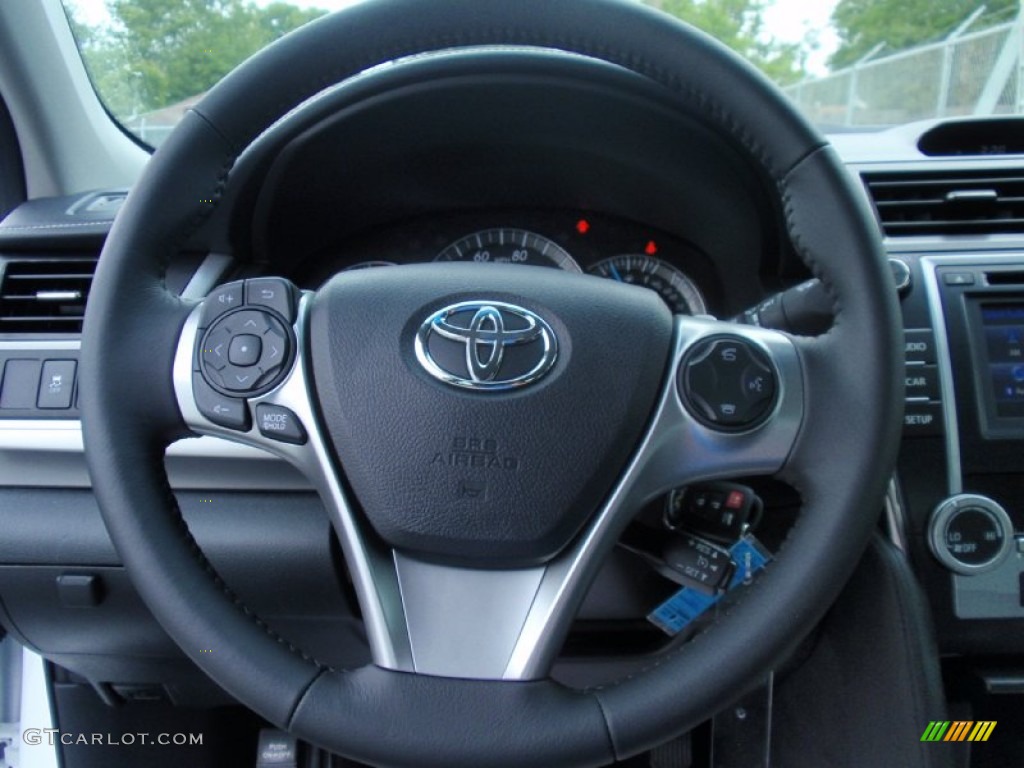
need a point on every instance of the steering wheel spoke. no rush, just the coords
(282, 421)
(461, 621)
(732, 405)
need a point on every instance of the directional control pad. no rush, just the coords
(727, 383)
(246, 348)
(245, 351)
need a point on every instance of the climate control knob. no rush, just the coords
(970, 534)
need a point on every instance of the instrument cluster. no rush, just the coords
(576, 241)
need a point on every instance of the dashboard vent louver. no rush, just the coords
(950, 203)
(45, 295)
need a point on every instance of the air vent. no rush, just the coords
(45, 295)
(955, 203)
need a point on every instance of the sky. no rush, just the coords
(793, 20)
(785, 20)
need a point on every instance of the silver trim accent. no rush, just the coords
(372, 574)
(944, 361)
(484, 373)
(446, 608)
(41, 346)
(1003, 683)
(895, 519)
(65, 436)
(58, 295)
(946, 511)
(205, 278)
(510, 624)
(905, 278)
(677, 450)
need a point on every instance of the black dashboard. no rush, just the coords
(575, 240)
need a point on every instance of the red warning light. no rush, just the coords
(651, 248)
(583, 226)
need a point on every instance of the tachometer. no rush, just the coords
(678, 291)
(505, 245)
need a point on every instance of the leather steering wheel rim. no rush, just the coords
(851, 385)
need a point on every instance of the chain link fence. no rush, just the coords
(966, 74)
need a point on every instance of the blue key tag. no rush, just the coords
(686, 605)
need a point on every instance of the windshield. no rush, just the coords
(847, 64)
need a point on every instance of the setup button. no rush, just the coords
(922, 419)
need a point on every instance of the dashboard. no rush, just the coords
(573, 240)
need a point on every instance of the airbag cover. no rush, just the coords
(495, 477)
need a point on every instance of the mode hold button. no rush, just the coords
(922, 420)
(278, 423)
(920, 345)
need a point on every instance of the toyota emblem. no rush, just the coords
(486, 345)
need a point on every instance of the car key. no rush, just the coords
(718, 511)
(698, 563)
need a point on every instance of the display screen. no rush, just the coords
(1003, 325)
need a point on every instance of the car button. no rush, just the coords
(921, 382)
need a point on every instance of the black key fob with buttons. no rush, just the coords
(718, 511)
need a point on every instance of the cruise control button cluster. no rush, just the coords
(727, 383)
(245, 348)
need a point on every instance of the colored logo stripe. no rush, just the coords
(982, 730)
(958, 730)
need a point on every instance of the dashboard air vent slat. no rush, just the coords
(45, 295)
(948, 203)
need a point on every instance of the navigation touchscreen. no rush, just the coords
(1003, 326)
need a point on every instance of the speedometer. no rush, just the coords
(678, 291)
(505, 245)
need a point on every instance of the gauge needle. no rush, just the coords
(615, 272)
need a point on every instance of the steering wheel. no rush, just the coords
(481, 437)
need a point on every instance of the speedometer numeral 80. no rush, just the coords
(505, 245)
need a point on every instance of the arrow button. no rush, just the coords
(275, 349)
(215, 348)
(228, 412)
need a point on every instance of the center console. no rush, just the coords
(962, 463)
